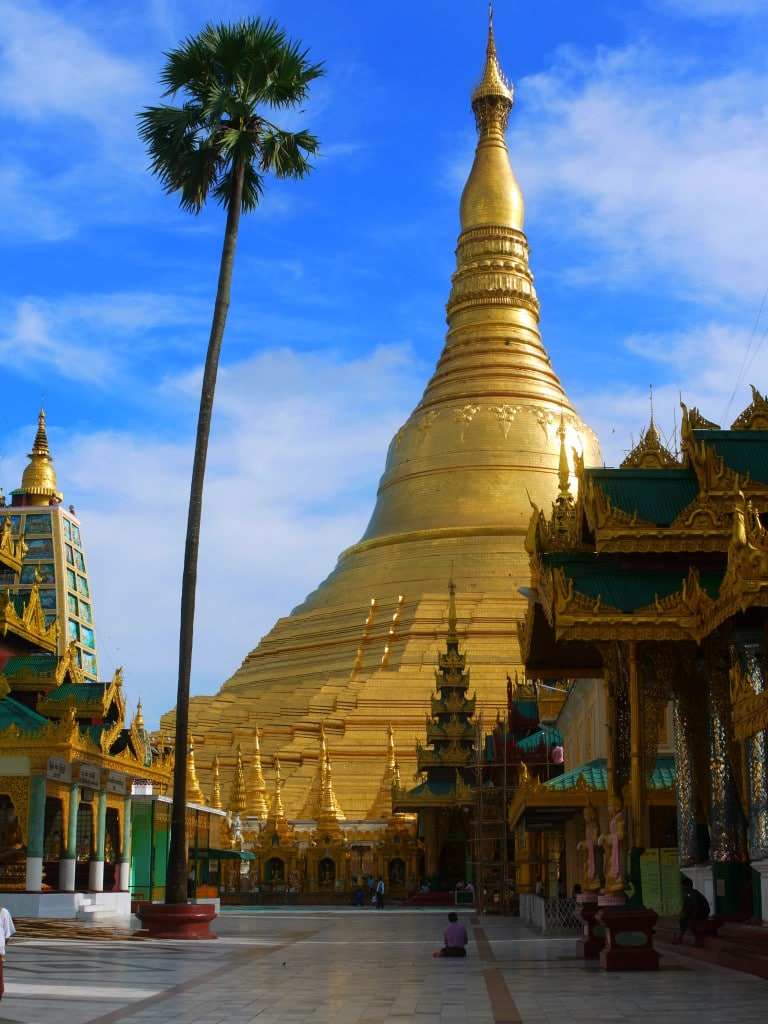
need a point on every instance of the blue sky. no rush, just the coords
(640, 141)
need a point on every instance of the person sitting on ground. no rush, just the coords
(695, 908)
(455, 938)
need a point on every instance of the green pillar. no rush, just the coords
(35, 830)
(69, 855)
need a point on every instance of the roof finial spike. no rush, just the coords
(452, 617)
(563, 470)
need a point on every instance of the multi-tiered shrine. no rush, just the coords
(448, 761)
(653, 594)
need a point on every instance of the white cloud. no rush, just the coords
(709, 366)
(90, 338)
(297, 448)
(661, 170)
(50, 67)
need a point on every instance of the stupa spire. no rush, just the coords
(38, 482)
(454, 490)
(216, 786)
(194, 792)
(256, 791)
(237, 802)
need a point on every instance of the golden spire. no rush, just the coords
(453, 636)
(564, 470)
(278, 812)
(256, 792)
(329, 812)
(139, 719)
(38, 482)
(216, 786)
(237, 794)
(492, 196)
(194, 793)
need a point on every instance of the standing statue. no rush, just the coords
(613, 844)
(590, 880)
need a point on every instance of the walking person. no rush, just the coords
(7, 928)
(380, 895)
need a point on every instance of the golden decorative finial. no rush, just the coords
(278, 809)
(563, 469)
(237, 801)
(194, 793)
(216, 786)
(492, 197)
(256, 791)
(139, 716)
(493, 97)
(38, 482)
(452, 617)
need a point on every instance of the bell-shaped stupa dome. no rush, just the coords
(454, 502)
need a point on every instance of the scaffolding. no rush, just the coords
(491, 839)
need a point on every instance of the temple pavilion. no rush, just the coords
(648, 592)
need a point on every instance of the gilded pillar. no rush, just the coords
(728, 833)
(432, 843)
(687, 829)
(636, 772)
(69, 853)
(35, 833)
(756, 764)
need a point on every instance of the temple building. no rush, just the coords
(357, 656)
(651, 593)
(54, 556)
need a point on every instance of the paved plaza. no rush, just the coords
(356, 966)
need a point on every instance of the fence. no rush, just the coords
(550, 917)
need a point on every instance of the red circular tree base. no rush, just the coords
(176, 920)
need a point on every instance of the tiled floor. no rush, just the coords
(357, 966)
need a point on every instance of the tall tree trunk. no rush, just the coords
(176, 883)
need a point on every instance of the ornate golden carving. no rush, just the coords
(650, 453)
(755, 416)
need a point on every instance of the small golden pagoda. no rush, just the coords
(355, 655)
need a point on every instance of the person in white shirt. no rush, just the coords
(7, 928)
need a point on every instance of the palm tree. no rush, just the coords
(218, 142)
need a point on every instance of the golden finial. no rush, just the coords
(139, 720)
(216, 786)
(194, 793)
(563, 469)
(279, 812)
(452, 617)
(493, 95)
(38, 482)
(256, 792)
(237, 801)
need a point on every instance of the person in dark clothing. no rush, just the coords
(695, 908)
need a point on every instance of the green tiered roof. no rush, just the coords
(595, 775)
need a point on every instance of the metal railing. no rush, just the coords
(550, 917)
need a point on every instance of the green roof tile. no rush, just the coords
(743, 451)
(595, 774)
(12, 712)
(657, 495)
(625, 587)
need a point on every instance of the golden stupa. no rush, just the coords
(454, 503)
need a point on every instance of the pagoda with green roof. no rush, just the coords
(447, 763)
